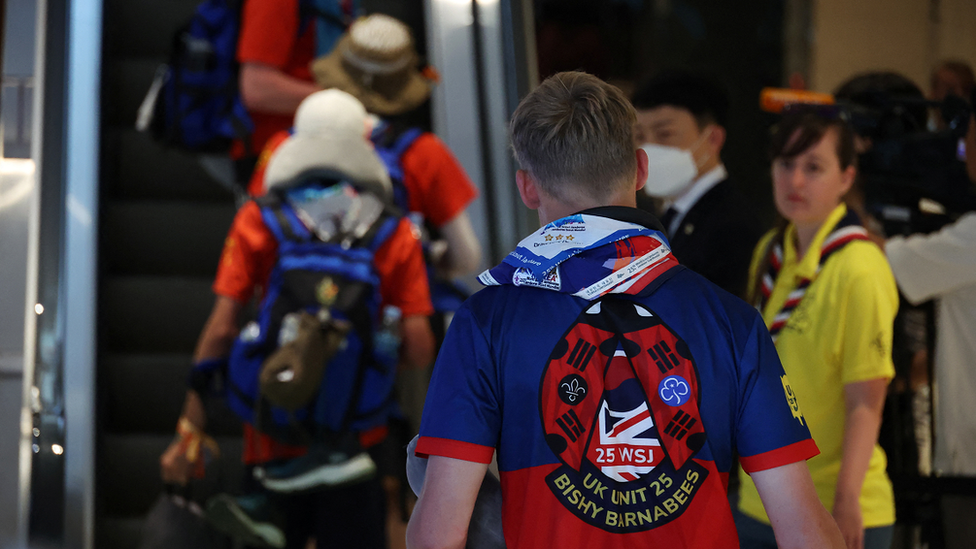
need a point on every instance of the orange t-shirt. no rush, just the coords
(249, 255)
(255, 187)
(436, 183)
(270, 36)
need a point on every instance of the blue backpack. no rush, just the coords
(390, 148)
(356, 393)
(194, 103)
(445, 295)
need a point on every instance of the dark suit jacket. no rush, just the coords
(717, 236)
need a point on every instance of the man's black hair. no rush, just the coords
(880, 90)
(700, 95)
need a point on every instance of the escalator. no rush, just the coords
(163, 221)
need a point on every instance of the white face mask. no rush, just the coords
(670, 170)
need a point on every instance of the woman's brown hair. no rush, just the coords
(796, 132)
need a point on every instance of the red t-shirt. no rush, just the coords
(436, 183)
(249, 255)
(270, 36)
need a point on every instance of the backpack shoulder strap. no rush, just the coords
(381, 231)
(281, 219)
(404, 141)
(391, 147)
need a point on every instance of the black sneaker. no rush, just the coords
(324, 466)
(245, 518)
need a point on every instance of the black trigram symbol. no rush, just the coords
(680, 425)
(571, 425)
(663, 356)
(581, 354)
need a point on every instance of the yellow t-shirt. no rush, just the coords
(839, 333)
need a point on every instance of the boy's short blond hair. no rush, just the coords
(573, 134)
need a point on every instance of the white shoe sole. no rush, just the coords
(229, 518)
(358, 468)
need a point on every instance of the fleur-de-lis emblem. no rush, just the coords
(573, 389)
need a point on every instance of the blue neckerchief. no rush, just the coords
(585, 255)
(566, 237)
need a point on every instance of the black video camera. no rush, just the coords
(914, 180)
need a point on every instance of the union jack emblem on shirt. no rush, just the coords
(628, 443)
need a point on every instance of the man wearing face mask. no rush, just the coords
(712, 227)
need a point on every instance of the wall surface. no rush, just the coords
(853, 37)
(957, 30)
(906, 36)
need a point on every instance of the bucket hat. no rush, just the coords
(376, 62)
(329, 139)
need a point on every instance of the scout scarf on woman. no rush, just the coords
(603, 256)
(846, 230)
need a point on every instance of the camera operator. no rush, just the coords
(950, 77)
(942, 266)
(913, 180)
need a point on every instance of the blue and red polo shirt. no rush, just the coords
(614, 419)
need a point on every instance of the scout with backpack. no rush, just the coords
(321, 308)
(194, 103)
(391, 143)
(317, 364)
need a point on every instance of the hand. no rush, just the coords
(173, 465)
(847, 514)
(186, 455)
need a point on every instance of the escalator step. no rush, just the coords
(144, 27)
(144, 394)
(164, 238)
(136, 167)
(125, 81)
(147, 314)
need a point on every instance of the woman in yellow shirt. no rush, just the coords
(829, 299)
